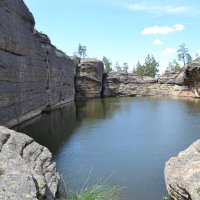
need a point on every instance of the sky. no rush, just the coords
(121, 30)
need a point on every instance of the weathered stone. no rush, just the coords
(182, 174)
(121, 84)
(26, 168)
(34, 75)
(89, 79)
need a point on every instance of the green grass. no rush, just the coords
(99, 191)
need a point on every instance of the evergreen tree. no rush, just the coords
(82, 51)
(183, 54)
(173, 67)
(140, 71)
(151, 66)
(107, 64)
(117, 67)
(125, 67)
(134, 70)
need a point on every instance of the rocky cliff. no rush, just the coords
(122, 84)
(34, 75)
(27, 171)
(182, 174)
(89, 79)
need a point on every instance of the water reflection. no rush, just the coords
(131, 138)
(52, 129)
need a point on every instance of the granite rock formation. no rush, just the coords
(26, 168)
(122, 84)
(190, 76)
(34, 75)
(89, 79)
(182, 174)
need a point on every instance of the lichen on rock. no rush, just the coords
(27, 169)
(182, 174)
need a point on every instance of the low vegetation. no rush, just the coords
(101, 190)
(97, 192)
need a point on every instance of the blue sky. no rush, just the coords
(122, 30)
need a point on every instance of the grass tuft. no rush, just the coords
(99, 191)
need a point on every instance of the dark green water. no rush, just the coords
(129, 139)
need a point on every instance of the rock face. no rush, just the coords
(26, 168)
(34, 75)
(89, 79)
(120, 84)
(190, 76)
(182, 174)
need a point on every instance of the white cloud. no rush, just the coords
(169, 52)
(154, 9)
(178, 27)
(162, 29)
(157, 42)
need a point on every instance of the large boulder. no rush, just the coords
(182, 174)
(26, 169)
(89, 79)
(190, 76)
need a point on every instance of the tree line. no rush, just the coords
(150, 66)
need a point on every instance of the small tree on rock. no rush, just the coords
(107, 64)
(82, 51)
(140, 71)
(117, 67)
(151, 66)
(183, 54)
(125, 68)
(173, 67)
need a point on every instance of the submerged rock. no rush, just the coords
(27, 171)
(182, 174)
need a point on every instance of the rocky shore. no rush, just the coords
(182, 174)
(26, 169)
(36, 77)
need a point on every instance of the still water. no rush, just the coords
(128, 139)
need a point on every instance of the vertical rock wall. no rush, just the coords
(89, 79)
(34, 75)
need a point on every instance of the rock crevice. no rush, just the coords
(28, 171)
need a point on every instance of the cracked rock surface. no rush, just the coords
(122, 84)
(89, 79)
(34, 74)
(26, 168)
(182, 174)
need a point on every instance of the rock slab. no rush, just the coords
(182, 174)
(89, 79)
(122, 84)
(26, 168)
(34, 74)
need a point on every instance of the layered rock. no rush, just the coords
(89, 79)
(182, 174)
(190, 76)
(122, 84)
(26, 168)
(61, 71)
(34, 75)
